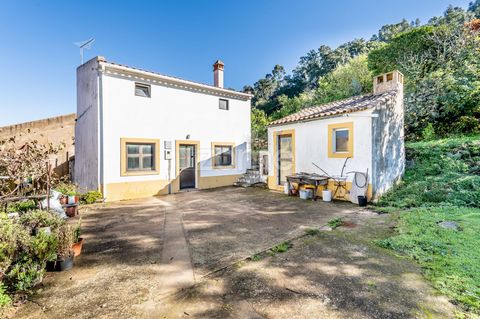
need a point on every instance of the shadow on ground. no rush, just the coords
(332, 275)
(337, 274)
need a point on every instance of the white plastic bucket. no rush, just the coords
(71, 199)
(327, 195)
(306, 193)
(285, 188)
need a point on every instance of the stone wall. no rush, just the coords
(55, 130)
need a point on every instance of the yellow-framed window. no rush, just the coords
(340, 140)
(139, 156)
(223, 155)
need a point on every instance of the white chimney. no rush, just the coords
(388, 81)
(218, 73)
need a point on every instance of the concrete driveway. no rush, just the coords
(228, 224)
(161, 258)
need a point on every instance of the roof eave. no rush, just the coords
(317, 118)
(157, 78)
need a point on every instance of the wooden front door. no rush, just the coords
(187, 166)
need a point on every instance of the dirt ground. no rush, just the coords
(335, 274)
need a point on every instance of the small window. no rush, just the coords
(340, 140)
(223, 104)
(389, 77)
(142, 90)
(140, 157)
(222, 155)
(380, 79)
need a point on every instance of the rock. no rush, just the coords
(448, 225)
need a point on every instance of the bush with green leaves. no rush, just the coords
(21, 206)
(67, 189)
(27, 243)
(36, 219)
(5, 299)
(91, 197)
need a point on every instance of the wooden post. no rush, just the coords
(48, 185)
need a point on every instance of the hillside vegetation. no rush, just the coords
(439, 172)
(441, 184)
(440, 60)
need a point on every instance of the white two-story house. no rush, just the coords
(140, 133)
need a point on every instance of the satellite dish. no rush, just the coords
(84, 45)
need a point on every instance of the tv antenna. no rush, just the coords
(84, 45)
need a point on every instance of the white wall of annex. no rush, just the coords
(171, 114)
(311, 145)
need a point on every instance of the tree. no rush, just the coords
(347, 80)
(389, 31)
(441, 65)
(474, 8)
(265, 89)
(455, 16)
(321, 62)
(259, 122)
(24, 165)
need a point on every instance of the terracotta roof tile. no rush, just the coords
(353, 104)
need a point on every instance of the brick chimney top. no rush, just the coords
(388, 81)
(218, 67)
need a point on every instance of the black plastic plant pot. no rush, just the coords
(66, 264)
(362, 201)
(50, 266)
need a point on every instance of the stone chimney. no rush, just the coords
(388, 81)
(218, 73)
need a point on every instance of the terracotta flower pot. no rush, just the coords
(71, 211)
(77, 247)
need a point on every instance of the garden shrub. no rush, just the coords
(22, 206)
(36, 219)
(27, 243)
(67, 189)
(9, 234)
(5, 299)
(91, 197)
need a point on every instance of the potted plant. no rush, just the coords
(65, 252)
(69, 193)
(77, 240)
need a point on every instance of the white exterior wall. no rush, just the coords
(86, 128)
(311, 145)
(171, 114)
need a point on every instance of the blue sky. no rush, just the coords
(179, 38)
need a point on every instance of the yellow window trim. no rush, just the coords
(336, 126)
(214, 165)
(123, 156)
(275, 154)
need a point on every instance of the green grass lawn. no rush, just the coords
(450, 258)
(441, 183)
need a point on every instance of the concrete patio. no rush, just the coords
(149, 259)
